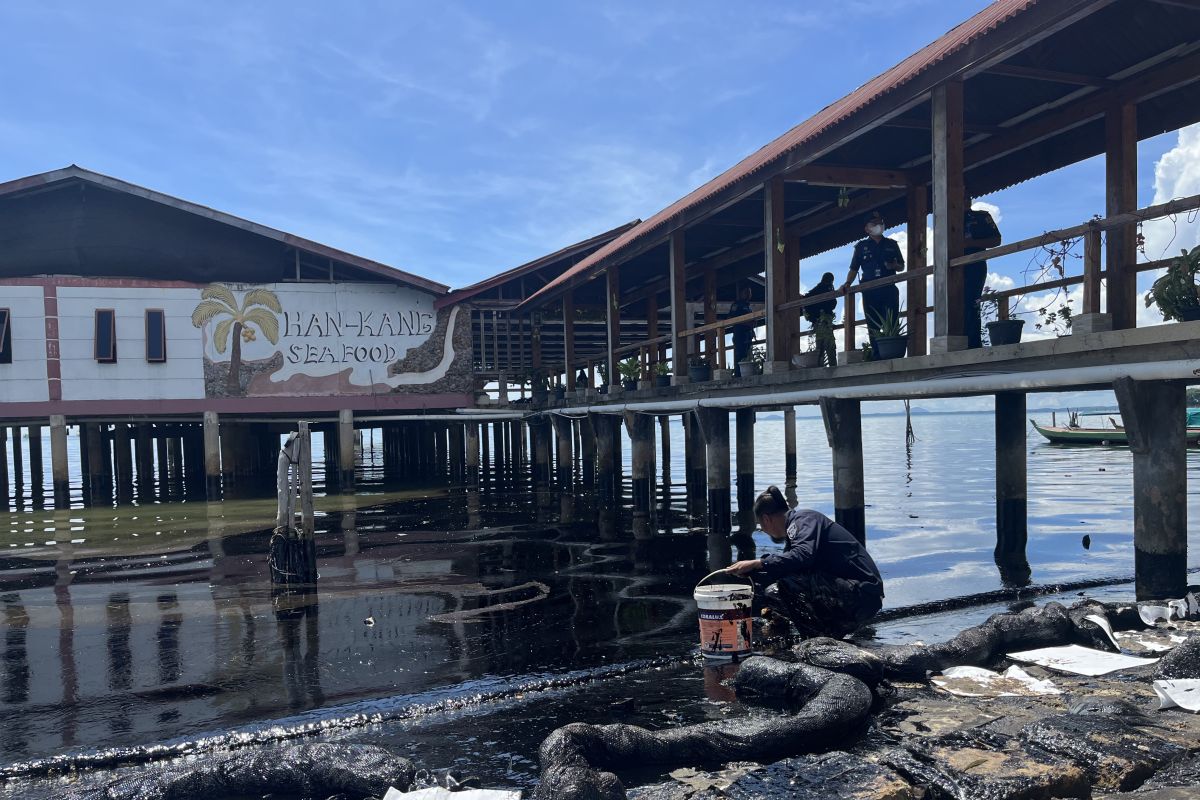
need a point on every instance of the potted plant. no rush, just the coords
(699, 370)
(1000, 331)
(630, 370)
(891, 337)
(662, 375)
(1174, 292)
(754, 362)
(539, 387)
(560, 392)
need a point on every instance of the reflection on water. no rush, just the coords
(146, 623)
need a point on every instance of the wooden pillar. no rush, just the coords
(123, 462)
(59, 470)
(161, 445)
(1011, 503)
(174, 466)
(789, 447)
(916, 258)
(212, 455)
(539, 432)
(587, 453)
(843, 428)
(640, 428)
(679, 315)
(568, 312)
(714, 425)
(97, 488)
(4, 491)
(695, 466)
(664, 436)
(776, 268)
(744, 424)
(710, 316)
(144, 447)
(36, 465)
(18, 460)
(1120, 168)
(472, 444)
(1155, 422)
(602, 427)
(948, 197)
(613, 378)
(454, 433)
(562, 463)
(345, 440)
(651, 353)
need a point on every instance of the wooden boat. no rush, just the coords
(1079, 435)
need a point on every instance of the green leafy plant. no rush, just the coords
(662, 368)
(697, 361)
(758, 355)
(630, 369)
(868, 354)
(889, 324)
(1174, 292)
(823, 340)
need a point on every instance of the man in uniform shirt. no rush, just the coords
(979, 234)
(876, 257)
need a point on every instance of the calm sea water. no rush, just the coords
(141, 624)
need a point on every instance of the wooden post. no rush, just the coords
(614, 324)
(306, 485)
(640, 428)
(843, 428)
(58, 461)
(472, 436)
(1091, 272)
(18, 459)
(710, 316)
(144, 448)
(776, 268)
(562, 462)
(212, 456)
(696, 466)
(587, 453)
(651, 351)
(1120, 167)
(123, 460)
(679, 315)
(948, 217)
(568, 310)
(345, 462)
(664, 436)
(714, 424)
(1011, 503)
(1155, 422)
(789, 447)
(606, 462)
(848, 322)
(917, 257)
(36, 466)
(4, 494)
(744, 423)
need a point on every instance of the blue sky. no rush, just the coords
(457, 140)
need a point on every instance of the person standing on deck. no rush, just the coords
(824, 582)
(820, 316)
(582, 381)
(743, 332)
(979, 233)
(876, 257)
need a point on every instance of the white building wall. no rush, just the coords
(24, 380)
(181, 377)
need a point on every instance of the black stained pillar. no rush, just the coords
(18, 460)
(92, 435)
(602, 427)
(640, 428)
(123, 460)
(539, 430)
(587, 454)
(1011, 505)
(36, 466)
(789, 447)
(562, 463)
(714, 425)
(4, 493)
(59, 468)
(843, 427)
(144, 449)
(695, 468)
(744, 424)
(1154, 413)
(457, 463)
(472, 454)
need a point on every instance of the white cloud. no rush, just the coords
(1177, 174)
(991, 208)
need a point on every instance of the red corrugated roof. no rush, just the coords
(959, 37)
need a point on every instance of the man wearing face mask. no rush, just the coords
(877, 256)
(979, 233)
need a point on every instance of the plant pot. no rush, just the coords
(891, 346)
(809, 360)
(1005, 331)
(602, 388)
(560, 393)
(630, 386)
(700, 374)
(1189, 314)
(662, 381)
(749, 368)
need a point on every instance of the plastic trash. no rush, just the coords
(1080, 660)
(440, 793)
(1181, 693)
(979, 682)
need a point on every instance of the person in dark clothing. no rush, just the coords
(743, 332)
(820, 315)
(876, 257)
(582, 381)
(979, 233)
(824, 582)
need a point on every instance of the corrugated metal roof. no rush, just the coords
(115, 184)
(959, 37)
(459, 295)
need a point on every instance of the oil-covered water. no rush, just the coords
(460, 624)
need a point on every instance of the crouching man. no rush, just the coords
(824, 582)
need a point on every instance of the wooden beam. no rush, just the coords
(614, 322)
(710, 314)
(947, 213)
(972, 128)
(1120, 168)
(861, 177)
(679, 316)
(1050, 76)
(568, 311)
(1190, 5)
(775, 268)
(917, 257)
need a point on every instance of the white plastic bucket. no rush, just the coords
(725, 629)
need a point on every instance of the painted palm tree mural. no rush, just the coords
(255, 314)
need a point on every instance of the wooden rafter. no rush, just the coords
(1050, 75)
(851, 177)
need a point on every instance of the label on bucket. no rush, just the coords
(725, 632)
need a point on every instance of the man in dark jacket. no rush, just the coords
(824, 581)
(743, 332)
(820, 315)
